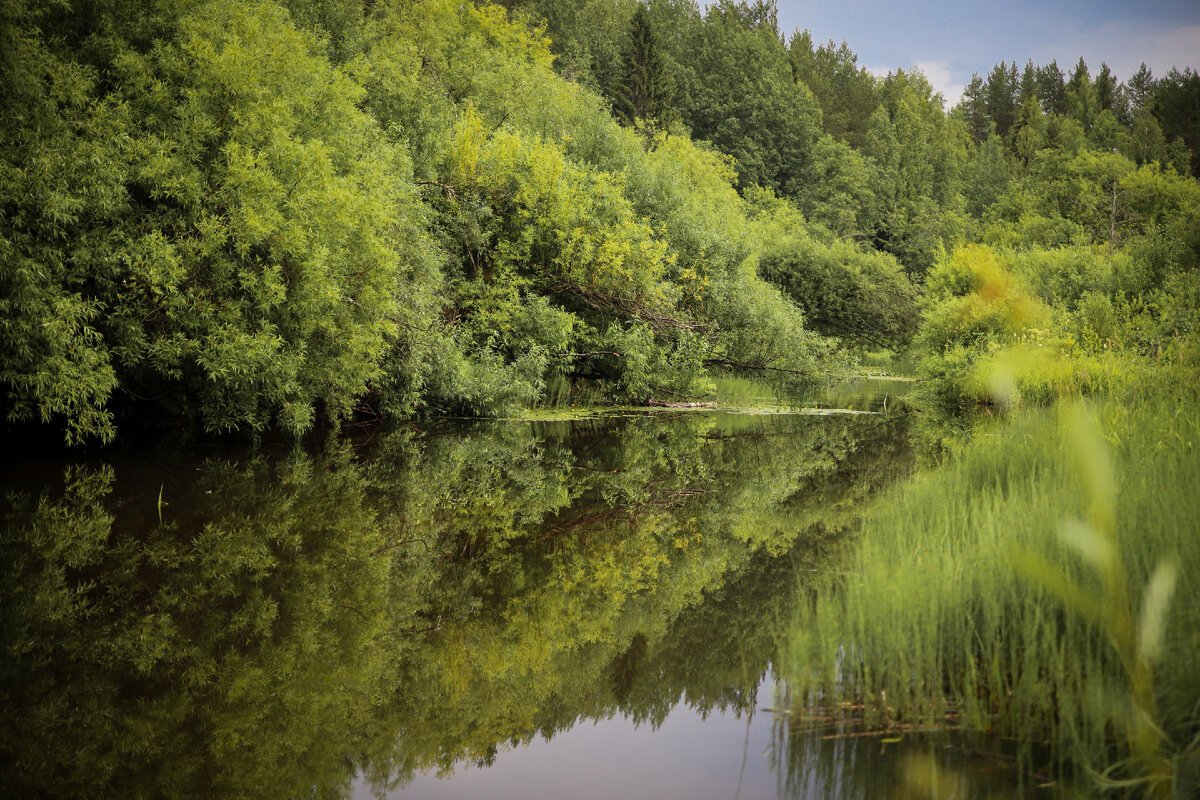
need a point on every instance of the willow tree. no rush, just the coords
(196, 211)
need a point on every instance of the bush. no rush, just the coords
(864, 298)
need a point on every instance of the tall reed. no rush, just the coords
(1023, 588)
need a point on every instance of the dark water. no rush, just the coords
(585, 608)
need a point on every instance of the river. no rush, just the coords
(587, 606)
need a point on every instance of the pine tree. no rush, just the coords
(1080, 76)
(1028, 132)
(1000, 96)
(975, 109)
(1051, 88)
(1081, 96)
(1140, 88)
(1176, 104)
(645, 87)
(1106, 89)
(1029, 85)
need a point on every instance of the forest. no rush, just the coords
(270, 218)
(245, 217)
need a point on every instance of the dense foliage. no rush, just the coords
(255, 215)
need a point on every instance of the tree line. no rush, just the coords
(261, 215)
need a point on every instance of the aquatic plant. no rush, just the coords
(970, 604)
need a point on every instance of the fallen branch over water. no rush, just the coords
(678, 404)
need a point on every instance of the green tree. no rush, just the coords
(1176, 104)
(215, 225)
(841, 195)
(644, 88)
(1140, 88)
(745, 100)
(1000, 94)
(986, 175)
(1051, 88)
(1148, 143)
(1108, 95)
(974, 110)
(56, 171)
(863, 298)
(918, 154)
(1028, 134)
(844, 90)
(572, 248)
(1028, 87)
(1080, 96)
(589, 38)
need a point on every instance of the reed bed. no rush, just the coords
(1040, 586)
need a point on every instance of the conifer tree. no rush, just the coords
(1106, 89)
(645, 87)
(1176, 104)
(1028, 132)
(1080, 76)
(1028, 86)
(1140, 88)
(844, 90)
(1051, 88)
(975, 110)
(1081, 96)
(1000, 96)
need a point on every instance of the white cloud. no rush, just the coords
(941, 79)
(939, 75)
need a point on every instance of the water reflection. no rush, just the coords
(417, 601)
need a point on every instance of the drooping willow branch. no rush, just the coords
(625, 306)
(725, 362)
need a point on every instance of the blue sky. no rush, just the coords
(950, 40)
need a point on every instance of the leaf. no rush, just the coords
(1154, 610)
(1055, 581)
(1090, 545)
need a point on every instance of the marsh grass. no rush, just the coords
(888, 362)
(1023, 588)
(563, 393)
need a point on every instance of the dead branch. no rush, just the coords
(665, 390)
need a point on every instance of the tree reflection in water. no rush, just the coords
(275, 625)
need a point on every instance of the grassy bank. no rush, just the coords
(1025, 588)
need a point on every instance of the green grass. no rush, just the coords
(564, 394)
(1023, 588)
(887, 362)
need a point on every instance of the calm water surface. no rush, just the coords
(581, 608)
